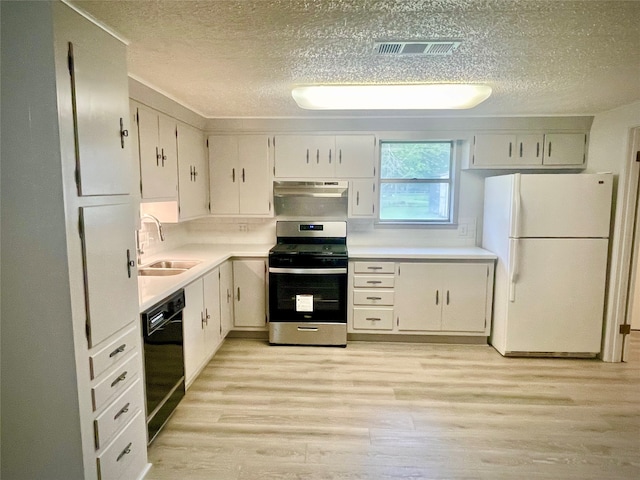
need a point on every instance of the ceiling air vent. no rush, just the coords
(439, 47)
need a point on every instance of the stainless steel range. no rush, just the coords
(308, 284)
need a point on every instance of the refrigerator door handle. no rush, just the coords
(513, 275)
(516, 206)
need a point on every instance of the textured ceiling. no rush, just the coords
(240, 58)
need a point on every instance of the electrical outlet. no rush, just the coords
(463, 230)
(243, 227)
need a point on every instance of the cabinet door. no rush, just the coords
(101, 113)
(213, 335)
(354, 156)
(464, 288)
(362, 198)
(168, 142)
(158, 175)
(226, 297)
(564, 149)
(193, 330)
(305, 156)
(111, 282)
(492, 150)
(255, 175)
(418, 297)
(193, 178)
(249, 293)
(224, 177)
(528, 150)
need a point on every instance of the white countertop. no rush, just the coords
(420, 253)
(151, 289)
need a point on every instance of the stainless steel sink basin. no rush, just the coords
(181, 264)
(160, 272)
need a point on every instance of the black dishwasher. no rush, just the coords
(163, 360)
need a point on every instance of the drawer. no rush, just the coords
(373, 318)
(373, 281)
(118, 414)
(116, 382)
(113, 352)
(124, 450)
(374, 267)
(373, 297)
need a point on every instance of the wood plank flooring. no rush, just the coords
(387, 411)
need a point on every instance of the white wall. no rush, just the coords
(609, 151)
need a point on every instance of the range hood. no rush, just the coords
(310, 189)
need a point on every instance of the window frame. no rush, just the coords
(453, 182)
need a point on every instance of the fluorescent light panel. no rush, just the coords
(390, 97)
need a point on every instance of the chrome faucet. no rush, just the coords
(156, 221)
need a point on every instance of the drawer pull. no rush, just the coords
(126, 451)
(118, 350)
(374, 282)
(374, 298)
(123, 410)
(119, 379)
(375, 268)
(373, 319)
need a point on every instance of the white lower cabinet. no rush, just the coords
(201, 323)
(226, 297)
(250, 293)
(421, 297)
(121, 458)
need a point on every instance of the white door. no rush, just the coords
(418, 297)
(354, 156)
(490, 150)
(193, 178)
(250, 293)
(226, 297)
(213, 336)
(111, 279)
(255, 177)
(362, 198)
(556, 205)
(464, 297)
(564, 148)
(557, 302)
(224, 177)
(151, 172)
(101, 111)
(528, 150)
(193, 327)
(168, 142)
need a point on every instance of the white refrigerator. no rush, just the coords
(551, 235)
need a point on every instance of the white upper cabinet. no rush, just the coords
(193, 173)
(240, 175)
(158, 154)
(362, 197)
(528, 150)
(110, 270)
(324, 156)
(101, 115)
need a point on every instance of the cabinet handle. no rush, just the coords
(307, 155)
(510, 149)
(130, 263)
(228, 296)
(238, 293)
(118, 350)
(120, 378)
(373, 319)
(164, 157)
(374, 267)
(537, 149)
(340, 156)
(374, 282)
(243, 175)
(374, 298)
(358, 198)
(318, 155)
(206, 311)
(126, 451)
(447, 297)
(437, 297)
(233, 175)
(520, 149)
(549, 154)
(329, 155)
(122, 411)
(123, 132)
(158, 157)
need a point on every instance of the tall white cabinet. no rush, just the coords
(71, 348)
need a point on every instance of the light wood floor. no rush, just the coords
(378, 411)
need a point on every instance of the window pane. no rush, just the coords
(421, 160)
(414, 201)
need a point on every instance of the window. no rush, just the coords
(416, 182)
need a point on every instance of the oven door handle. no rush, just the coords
(308, 271)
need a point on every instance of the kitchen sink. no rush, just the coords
(174, 264)
(160, 272)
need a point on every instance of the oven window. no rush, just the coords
(304, 297)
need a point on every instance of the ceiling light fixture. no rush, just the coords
(390, 97)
